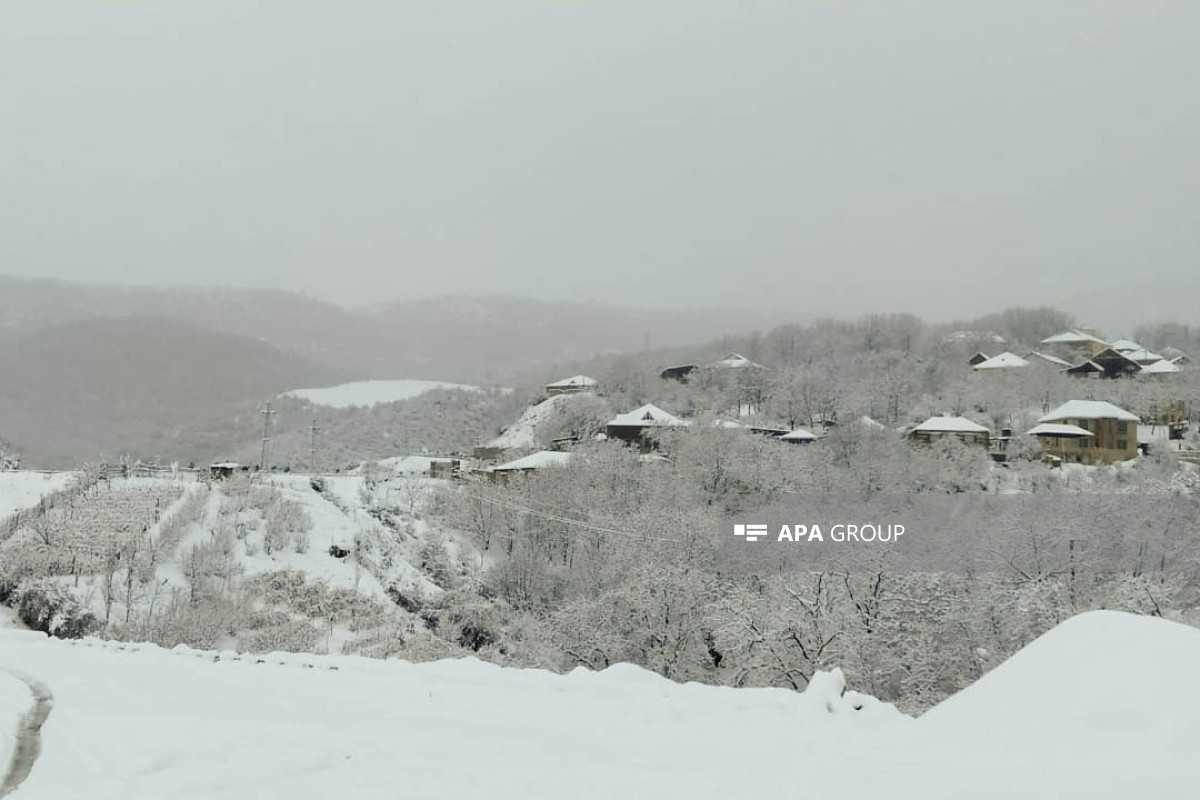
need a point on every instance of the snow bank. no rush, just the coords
(134, 721)
(1106, 705)
(370, 393)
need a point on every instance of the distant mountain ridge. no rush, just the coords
(474, 339)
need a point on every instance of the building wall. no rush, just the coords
(1113, 441)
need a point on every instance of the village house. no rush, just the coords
(961, 428)
(736, 361)
(680, 373)
(1039, 359)
(573, 385)
(542, 459)
(634, 425)
(1004, 361)
(1108, 363)
(1076, 342)
(799, 436)
(1088, 432)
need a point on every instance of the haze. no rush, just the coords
(943, 159)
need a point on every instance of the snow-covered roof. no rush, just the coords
(648, 415)
(799, 435)
(1162, 367)
(225, 465)
(1060, 362)
(1088, 409)
(735, 361)
(867, 422)
(576, 382)
(538, 460)
(1072, 337)
(1005, 360)
(1091, 365)
(951, 425)
(1121, 345)
(1142, 354)
(1057, 429)
(722, 422)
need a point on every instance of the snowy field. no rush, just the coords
(370, 393)
(20, 490)
(1104, 706)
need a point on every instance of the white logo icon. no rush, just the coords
(750, 532)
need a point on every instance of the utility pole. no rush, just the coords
(312, 447)
(267, 414)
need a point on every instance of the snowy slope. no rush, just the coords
(1104, 706)
(369, 393)
(15, 700)
(182, 724)
(23, 489)
(523, 432)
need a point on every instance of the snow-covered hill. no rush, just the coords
(1101, 707)
(370, 393)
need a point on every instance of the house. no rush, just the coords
(960, 428)
(1142, 356)
(633, 426)
(736, 361)
(1111, 432)
(1076, 341)
(1161, 367)
(978, 358)
(446, 468)
(1088, 369)
(224, 469)
(578, 383)
(1057, 439)
(1108, 363)
(1040, 359)
(799, 436)
(542, 459)
(1124, 345)
(1005, 360)
(681, 373)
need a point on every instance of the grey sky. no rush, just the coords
(946, 159)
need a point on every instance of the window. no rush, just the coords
(1123, 428)
(1122, 443)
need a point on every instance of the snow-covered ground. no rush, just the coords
(1104, 706)
(20, 490)
(369, 393)
(523, 432)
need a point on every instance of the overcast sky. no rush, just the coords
(945, 158)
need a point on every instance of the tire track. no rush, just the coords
(29, 735)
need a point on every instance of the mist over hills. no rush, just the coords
(471, 339)
(180, 372)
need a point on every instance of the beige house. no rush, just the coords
(960, 428)
(1088, 432)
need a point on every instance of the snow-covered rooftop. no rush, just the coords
(1121, 345)
(799, 435)
(1059, 362)
(1057, 429)
(1005, 360)
(1072, 337)
(735, 361)
(1162, 367)
(1142, 355)
(951, 425)
(1088, 409)
(648, 415)
(538, 460)
(575, 382)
